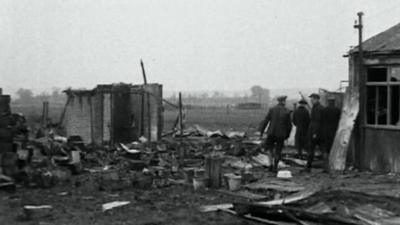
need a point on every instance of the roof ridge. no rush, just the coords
(387, 40)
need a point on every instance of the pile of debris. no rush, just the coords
(52, 159)
(316, 206)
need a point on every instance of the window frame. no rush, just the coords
(388, 84)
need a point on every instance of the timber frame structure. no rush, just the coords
(115, 113)
(376, 137)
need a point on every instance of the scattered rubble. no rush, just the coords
(231, 163)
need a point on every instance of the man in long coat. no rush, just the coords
(279, 127)
(315, 130)
(331, 115)
(301, 119)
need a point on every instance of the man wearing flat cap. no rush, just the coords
(315, 129)
(330, 123)
(301, 119)
(279, 127)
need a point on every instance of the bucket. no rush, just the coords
(234, 182)
(226, 179)
(199, 183)
(284, 174)
(75, 157)
(188, 173)
(23, 154)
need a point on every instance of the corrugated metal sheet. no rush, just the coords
(386, 41)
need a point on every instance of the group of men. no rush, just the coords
(314, 127)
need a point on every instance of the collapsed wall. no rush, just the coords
(114, 113)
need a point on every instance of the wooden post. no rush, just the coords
(143, 72)
(353, 106)
(182, 150)
(180, 115)
(145, 93)
(45, 113)
(362, 82)
(148, 115)
(142, 113)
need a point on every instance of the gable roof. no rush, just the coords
(384, 42)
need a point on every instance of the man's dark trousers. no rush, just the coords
(312, 144)
(274, 145)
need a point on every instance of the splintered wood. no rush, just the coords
(337, 158)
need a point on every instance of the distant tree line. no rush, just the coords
(31, 105)
(27, 97)
(256, 94)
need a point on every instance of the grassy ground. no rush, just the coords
(218, 118)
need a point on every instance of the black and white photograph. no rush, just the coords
(199, 112)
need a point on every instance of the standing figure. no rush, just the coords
(331, 119)
(6, 136)
(279, 127)
(301, 119)
(315, 130)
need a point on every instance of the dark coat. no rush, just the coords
(315, 127)
(279, 121)
(301, 119)
(331, 117)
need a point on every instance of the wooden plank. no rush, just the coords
(292, 198)
(275, 184)
(338, 155)
(213, 208)
(243, 194)
(257, 219)
(289, 199)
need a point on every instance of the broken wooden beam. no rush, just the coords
(338, 153)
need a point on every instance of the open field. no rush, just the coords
(211, 118)
(218, 118)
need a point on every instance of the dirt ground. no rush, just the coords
(176, 204)
(76, 202)
(170, 205)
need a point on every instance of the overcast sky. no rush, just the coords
(186, 45)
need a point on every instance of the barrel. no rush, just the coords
(213, 170)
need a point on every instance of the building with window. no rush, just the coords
(377, 132)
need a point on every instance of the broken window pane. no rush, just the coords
(371, 103)
(382, 105)
(395, 74)
(377, 75)
(395, 105)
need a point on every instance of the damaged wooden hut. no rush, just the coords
(114, 113)
(377, 77)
